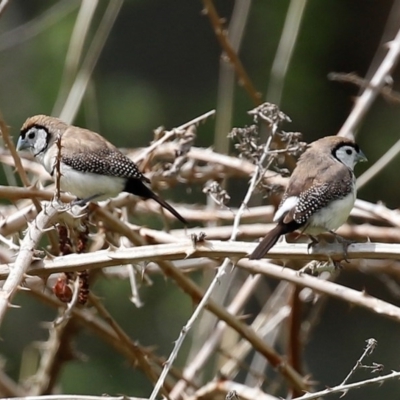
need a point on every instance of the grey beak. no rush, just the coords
(361, 157)
(22, 144)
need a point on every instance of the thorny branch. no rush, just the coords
(274, 117)
(177, 255)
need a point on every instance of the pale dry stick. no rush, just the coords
(75, 49)
(285, 49)
(351, 296)
(345, 388)
(366, 99)
(221, 35)
(371, 344)
(3, 6)
(220, 271)
(14, 220)
(272, 332)
(8, 387)
(232, 166)
(392, 25)
(196, 294)
(135, 296)
(103, 330)
(379, 165)
(387, 92)
(17, 220)
(269, 319)
(9, 243)
(233, 391)
(142, 358)
(254, 231)
(75, 96)
(226, 81)
(38, 24)
(16, 192)
(168, 135)
(25, 255)
(221, 143)
(210, 249)
(379, 211)
(50, 352)
(243, 348)
(211, 344)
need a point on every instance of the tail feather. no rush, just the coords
(171, 209)
(269, 240)
(138, 188)
(272, 237)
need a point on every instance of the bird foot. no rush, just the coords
(315, 268)
(345, 243)
(314, 242)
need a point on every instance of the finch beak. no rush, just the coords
(22, 144)
(361, 157)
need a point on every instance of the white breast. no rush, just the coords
(86, 184)
(83, 184)
(332, 216)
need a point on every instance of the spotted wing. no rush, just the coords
(317, 197)
(104, 161)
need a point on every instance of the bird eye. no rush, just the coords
(348, 151)
(31, 135)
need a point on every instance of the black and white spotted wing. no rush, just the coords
(318, 197)
(104, 162)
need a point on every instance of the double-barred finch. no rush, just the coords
(320, 194)
(91, 167)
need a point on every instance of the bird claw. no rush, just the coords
(314, 242)
(345, 244)
(315, 268)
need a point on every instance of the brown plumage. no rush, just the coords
(91, 167)
(320, 192)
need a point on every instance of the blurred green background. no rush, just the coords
(160, 66)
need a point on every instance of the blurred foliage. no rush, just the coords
(160, 67)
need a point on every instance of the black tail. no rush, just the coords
(138, 188)
(271, 238)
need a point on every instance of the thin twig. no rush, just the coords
(366, 99)
(350, 386)
(75, 48)
(371, 345)
(141, 357)
(75, 96)
(168, 135)
(25, 256)
(221, 34)
(35, 26)
(209, 347)
(379, 165)
(209, 248)
(284, 53)
(3, 6)
(226, 81)
(222, 269)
